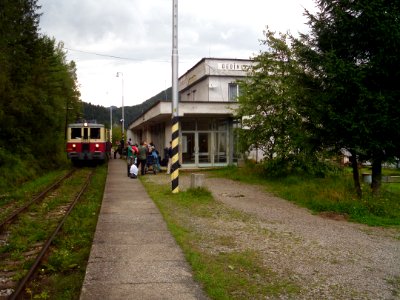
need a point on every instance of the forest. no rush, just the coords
(39, 96)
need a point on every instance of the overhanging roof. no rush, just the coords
(161, 111)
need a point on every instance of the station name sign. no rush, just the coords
(234, 66)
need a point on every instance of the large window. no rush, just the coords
(95, 133)
(76, 133)
(233, 91)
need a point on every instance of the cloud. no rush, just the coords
(141, 32)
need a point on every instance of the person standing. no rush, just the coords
(135, 152)
(169, 158)
(154, 153)
(142, 157)
(121, 148)
(130, 159)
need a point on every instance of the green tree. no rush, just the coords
(37, 86)
(18, 43)
(268, 98)
(351, 64)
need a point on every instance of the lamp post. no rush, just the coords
(111, 126)
(123, 114)
(175, 101)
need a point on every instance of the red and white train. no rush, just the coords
(88, 142)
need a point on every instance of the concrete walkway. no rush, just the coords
(133, 255)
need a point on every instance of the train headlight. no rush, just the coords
(74, 146)
(97, 145)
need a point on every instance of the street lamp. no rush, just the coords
(123, 114)
(111, 124)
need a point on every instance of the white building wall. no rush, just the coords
(209, 80)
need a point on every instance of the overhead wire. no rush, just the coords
(119, 57)
(111, 56)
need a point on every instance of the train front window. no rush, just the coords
(85, 133)
(94, 133)
(76, 133)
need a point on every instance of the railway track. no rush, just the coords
(12, 210)
(29, 231)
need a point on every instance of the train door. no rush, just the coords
(85, 140)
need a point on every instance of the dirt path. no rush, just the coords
(330, 259)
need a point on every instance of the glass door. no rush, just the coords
(188, 148)
(204, 142)
(221, 147)
(196, 148)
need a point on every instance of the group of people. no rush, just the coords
(137, 157)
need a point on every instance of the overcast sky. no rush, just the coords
(134, 37)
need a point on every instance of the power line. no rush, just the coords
(112, 56)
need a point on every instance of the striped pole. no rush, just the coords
(175, 155)
(175, 100)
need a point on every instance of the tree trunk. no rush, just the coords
(356, 174)
(376, 175)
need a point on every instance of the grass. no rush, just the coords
(237, 274)
(64, 270)
(62, 274)
(28, 190)
(333, 194)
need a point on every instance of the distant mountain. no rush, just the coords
(102, 114)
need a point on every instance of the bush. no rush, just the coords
(297, 165)
(15, 170)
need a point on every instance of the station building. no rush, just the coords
(207, 103)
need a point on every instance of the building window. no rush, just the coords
(233, 91)
(194, 95)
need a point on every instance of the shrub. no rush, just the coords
(300, 165)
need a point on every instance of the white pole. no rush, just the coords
(123, 113)
(175, 95)
(111, 126)
(123, 107)
(175, 59)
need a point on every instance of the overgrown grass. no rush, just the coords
(28, 190)
(65, 267)
(224, 275)
(331, 194)
(16, 170)
(62, 275)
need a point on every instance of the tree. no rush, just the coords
(268, 97)
(37, 86)
(351, 66)
(18, 43)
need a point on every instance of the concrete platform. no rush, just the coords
(133, 255)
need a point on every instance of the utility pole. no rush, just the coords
(123, 113)
(175, 101)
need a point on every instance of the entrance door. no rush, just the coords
(196, 148)
(204, 142)
(220, 142)
(188, 148)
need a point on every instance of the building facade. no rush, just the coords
(207, 103)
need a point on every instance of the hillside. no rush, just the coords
(102, 114)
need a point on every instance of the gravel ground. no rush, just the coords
(327, 256)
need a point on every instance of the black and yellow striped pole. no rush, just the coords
(175, 100)
(175, 155)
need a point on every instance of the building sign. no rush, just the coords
(234, 66)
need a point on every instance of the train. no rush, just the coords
(88, 142)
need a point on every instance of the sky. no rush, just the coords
(134, 38)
